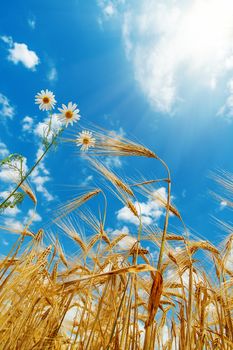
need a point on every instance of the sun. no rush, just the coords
(205, 31)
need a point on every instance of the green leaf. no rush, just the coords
(10, 158)
(18, 198)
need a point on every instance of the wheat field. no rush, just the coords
(112, 294)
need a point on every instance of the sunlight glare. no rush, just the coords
(206, 31)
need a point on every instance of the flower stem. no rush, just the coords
(29, 172)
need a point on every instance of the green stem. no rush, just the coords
(50, 125)
(29, 172)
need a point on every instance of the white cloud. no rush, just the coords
(39, 179)
(226, 110)
(3, 150)
(4, 194)
(32, 216)
(87, 180)
(13, 224)
(125, 243)
(151, 211)
(171, 43)
(124, 214)
(16, 225)
(41, 165)
(40, 175)
(11, 211)
(5, 242)
(52, 74)
(7, 40)
(113, 162)
(20, 53)
(10, 174)
(41, 128)
(108, 8)
(27, 124)
(110, 161)
(6, 109)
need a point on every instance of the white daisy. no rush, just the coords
(45, 99)
(85, 140)
(69, 114)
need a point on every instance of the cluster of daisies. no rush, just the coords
(68, 115)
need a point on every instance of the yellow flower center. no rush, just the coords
(86, 140)
(69, 114)
(46, 99)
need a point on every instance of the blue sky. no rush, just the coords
(160, 72)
